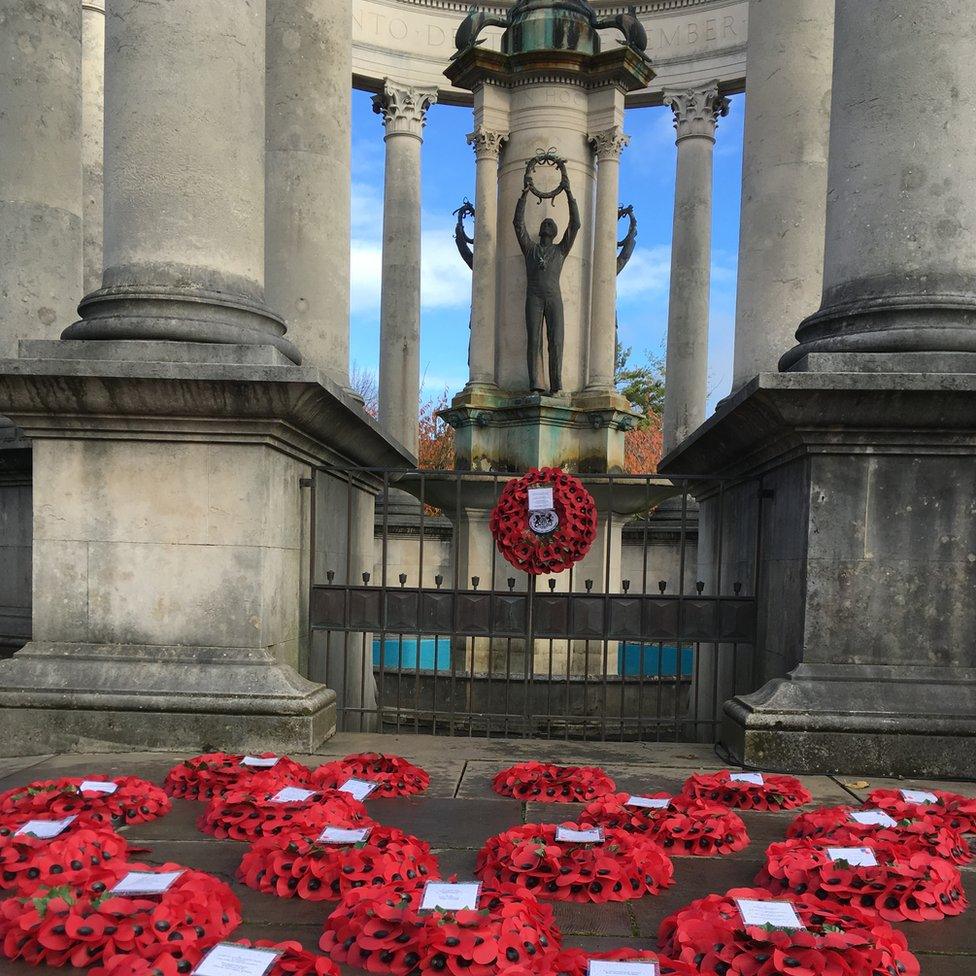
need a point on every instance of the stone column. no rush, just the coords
(404, 111)
(608, 145)
(696, 114)
(40, 170)
(92, 134)
(309, 86)
(784, 178)
(184, 178)
(487, 148)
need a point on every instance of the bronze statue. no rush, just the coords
(543, 269)
(462, 239)
(629, 242)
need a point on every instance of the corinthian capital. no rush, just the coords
(487, 143)
(609, 143)
(404, 109)
(697, 111)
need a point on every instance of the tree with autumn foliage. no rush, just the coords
(643, 386)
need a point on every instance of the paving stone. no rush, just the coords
(456, 862)
(952, 935)
(943, 965)
(853, 784)
(179, 824)
(307, 935)
(607, 943)
(609, 919)
(552, 812)
(448, 823)
(148, 765)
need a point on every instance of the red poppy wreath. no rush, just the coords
(318, 865)
(549, 861)
(82, 926)
(119, 800)
(882, 878)
(547, 541)
(574, 962)
(292, 961)
(937, 806)
(684, 826)
(395, 775)
(711, 935)
(203, 777)
(384, 931)
(547, 783)
(243, 814)
(840, 825)
(747, 791)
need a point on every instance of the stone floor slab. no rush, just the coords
(610, 919)
(448, 823)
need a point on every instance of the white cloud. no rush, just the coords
(648, 272)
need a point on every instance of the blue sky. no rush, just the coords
(646, 181)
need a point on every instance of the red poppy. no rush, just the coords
(203, 777)
(710, 934)
(774, 792)
(574, 962)
(686, 826)
(395, 775)
(548, 783)
(945, 810)
(554, 551)
(620, 867)
(133, 800)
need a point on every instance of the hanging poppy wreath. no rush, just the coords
(383, 931)
(243, 814)
(133, 801)
(203, 777)
(396, 776)
(837, 824)
(947, 810)
(298, 865)
(904, 886)
(552, 551)
(684, 827)
(293, 961)
(547, 783)
(574, 962)
(85, 852)
(621, 867)
(775, 792)
(711, 935)
(83, 926)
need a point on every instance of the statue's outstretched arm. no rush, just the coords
(569, 238)
(525, 242)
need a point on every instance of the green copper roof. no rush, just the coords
(551, 25)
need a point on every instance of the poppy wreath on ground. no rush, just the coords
(383, 931)
(904, 886)
(574, 962)
(210, 774)
(396, 776)
(134, 800)
(948, 810)
(82, 926)
(293, 961)
(835, 824)
(557, 550)
(547, 783)
(297, 865)
(711, 935)
(85, 852)
(776, 792)
(246, 815)
(685, 827)
(621, 867)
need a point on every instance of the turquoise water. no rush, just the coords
(435, 655)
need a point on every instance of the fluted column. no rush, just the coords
(784, 178)
(696, 114)
(608, 145)
(487, 145)
(309, 91)
(184, 177)
(93, 134)
(404, 112)
(40, 169)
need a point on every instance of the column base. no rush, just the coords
(59, 697)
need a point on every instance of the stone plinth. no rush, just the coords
(867, 570)
(172, 519)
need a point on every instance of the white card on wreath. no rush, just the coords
(45, 829)
(98, 786)
(540, 499)
(358, 789)
(145, 883)
(227, 959)
(450, 897)
(918, 796)
(873, 818)
(756, 779)
(778, 914)
(291, 794)
(260, 762)
(343, 835)
(566, 835)
(856, 857)
(635, 967)
(650, 802)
